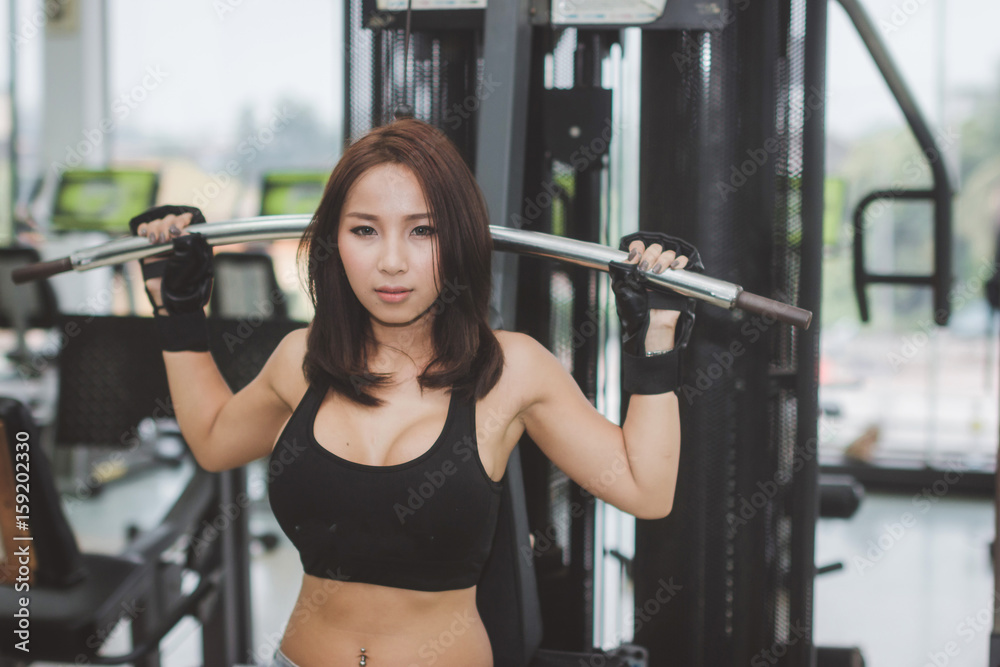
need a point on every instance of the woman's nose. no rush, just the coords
(392, 259)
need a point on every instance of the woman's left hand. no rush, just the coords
(660, 335)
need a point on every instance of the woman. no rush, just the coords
(393, 532)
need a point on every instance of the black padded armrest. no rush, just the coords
(839, 496)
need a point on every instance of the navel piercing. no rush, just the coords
(363, 658)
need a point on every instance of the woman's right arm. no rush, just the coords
(226, 430)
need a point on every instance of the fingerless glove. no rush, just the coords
(660, 373)
(186, 287)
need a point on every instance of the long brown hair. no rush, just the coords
(468, 356)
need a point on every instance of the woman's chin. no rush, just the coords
(398, 319)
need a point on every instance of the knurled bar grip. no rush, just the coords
(782, 312)
(505, 239)
(39, 270)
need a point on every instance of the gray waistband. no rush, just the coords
(281, 660)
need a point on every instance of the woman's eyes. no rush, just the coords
(366, 230)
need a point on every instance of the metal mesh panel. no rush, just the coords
(560, 505)
(241, 347)
(789, 118)
(792, 602)
(783, 428)
(360, 75)
(444, 78)
(563, 60)
(804, 401)
(561, 322)
(111, 378)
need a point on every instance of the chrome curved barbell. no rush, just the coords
(506, 239)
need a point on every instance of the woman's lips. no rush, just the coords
(393, 297)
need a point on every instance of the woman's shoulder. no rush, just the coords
(510, 343)
(286, 374)
(521, 353)
(516, 343)
(526, 363)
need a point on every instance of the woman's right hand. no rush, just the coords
(160, 231)
(179, 285)
(160, 224)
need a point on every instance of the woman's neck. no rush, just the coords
(403, 350)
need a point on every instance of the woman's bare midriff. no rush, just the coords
(333, 620)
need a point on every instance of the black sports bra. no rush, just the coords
(426, 524)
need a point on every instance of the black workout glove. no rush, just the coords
(661, 373)
(186, 286)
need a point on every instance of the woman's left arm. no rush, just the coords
(652, 428)
(633, 467)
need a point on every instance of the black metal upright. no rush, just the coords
(732, 137)
(564, 196)
(805, 501)
(227, 630)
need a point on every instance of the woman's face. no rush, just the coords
(388, 244)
